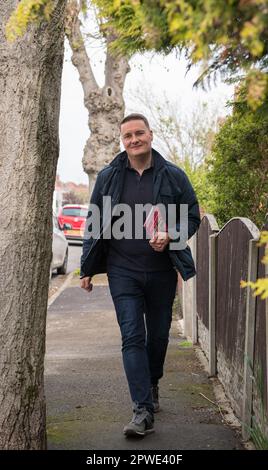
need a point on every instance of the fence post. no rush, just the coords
(187, 324)
(249, 341)
(213, 240)
(194, 311)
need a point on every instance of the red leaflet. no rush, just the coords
(154, 222)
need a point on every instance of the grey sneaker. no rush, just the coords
(155, 396)
(141, 424)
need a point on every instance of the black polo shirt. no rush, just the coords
(136, 254)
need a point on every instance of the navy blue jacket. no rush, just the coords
(170, 186)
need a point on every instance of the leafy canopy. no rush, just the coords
(232, 29)
(26, 12)
(226, 35)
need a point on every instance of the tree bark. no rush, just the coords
(105, 105)
(30, 79)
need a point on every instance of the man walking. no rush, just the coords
(142, 273)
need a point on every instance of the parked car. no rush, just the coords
(75, 216)
(59, 249)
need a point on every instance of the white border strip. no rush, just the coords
(61, 289)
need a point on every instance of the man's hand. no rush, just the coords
(86, 284)
(160, 241)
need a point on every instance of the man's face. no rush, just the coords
(136, 138)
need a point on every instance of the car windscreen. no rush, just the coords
(74, 212)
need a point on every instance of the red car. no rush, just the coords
(74, 216)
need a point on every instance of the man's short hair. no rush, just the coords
(135, 117)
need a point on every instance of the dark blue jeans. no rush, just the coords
(144, 337)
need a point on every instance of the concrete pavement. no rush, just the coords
(88, 402)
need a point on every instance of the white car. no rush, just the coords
(59, 249)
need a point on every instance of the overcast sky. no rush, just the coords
(157, 73)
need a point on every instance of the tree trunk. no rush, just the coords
(106, 110)
(30, 79)
(105, 105)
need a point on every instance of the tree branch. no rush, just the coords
(80, 58)
(116, 67)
